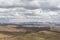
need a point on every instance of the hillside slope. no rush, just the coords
(29, 35)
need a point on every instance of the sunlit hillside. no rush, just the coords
(33, 35)
(18, 33)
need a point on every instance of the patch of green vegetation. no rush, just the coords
(31, 35)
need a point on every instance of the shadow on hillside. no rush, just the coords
(28, 30)
(11, 33)
(33, 28)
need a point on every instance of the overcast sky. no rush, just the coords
(29, 11)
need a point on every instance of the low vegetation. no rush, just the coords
(29, 35)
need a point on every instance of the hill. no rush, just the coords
(29, 32)
(26, 33)
(29, 35)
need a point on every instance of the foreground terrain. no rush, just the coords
(29, 35)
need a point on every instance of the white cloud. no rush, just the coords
(30, 10)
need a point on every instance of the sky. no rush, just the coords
(16, 11)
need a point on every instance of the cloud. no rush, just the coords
(30, 10)
(31, 4)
